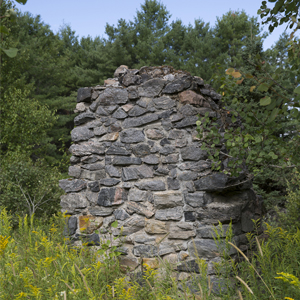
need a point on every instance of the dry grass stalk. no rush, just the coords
(85, 284)
(259, 248)
(245, 284)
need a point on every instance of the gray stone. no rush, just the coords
(100, 211)
(187, 121)
(115, 150)
(161, 170)
(112, 171)
(84, 95)
(145, 208)
(138, 196)
(177, 134)
(113, 95)
(166, 150)
(74, 159)
(121, 214)
(187, 176)
(74, 171)
(141, 150)
(100, 130)
(120, 71)
(145, 250)
(212, 183)
(196, 199)
(129, 174)
(178, 85)
(144, 102)
(132, 136)
(164, 142)
(210, 232)
(101, 111)
(144, 171)
(92, 175)
(92, 197)
(190, 186)
(94, 167)
(119, 114)
(73, 200)
(72, 185)
(155, 227)
(167, 199)
(110, 137)
(154, 134)
(193, 153)
(177, 117)
(204, 248)
(109, 181)
(151, 88)
(170, 159)
(83, 118)
(137, 111)
(139, 121)
(81, 134)
(71, 226)
(165, 248)
(154, 185)
(151, 159)
(94, 105)
(91, 159)
(174, 213)
(181, 143)
(188, 110)
(132, 92)
(198, 166)
(164, 102)
(112, 196)
(166, 124)
(131, 79)
(94, 186)
(86, 148)
(133, 224)
(144, 239)
(125, 161)
(173, 184)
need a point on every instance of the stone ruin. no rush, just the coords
(137, 158)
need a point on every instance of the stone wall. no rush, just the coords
(136, 158)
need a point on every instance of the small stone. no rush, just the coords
(91, 159)
(73, 185)
(154, 134)
(101, 111)
(151, 159)
(73, 200)
(132, 92)
(100, 130)
(129, 174)
(180, 143)
(189, 216)
(100, 211)
(212, 183)
(165, 248)
(173, 184)
(154, 185)
(113, 95)
(155, 227)
(74, 159)
(152, 263)
(190, 97)
(187, 121)
(88, 224)
(144, 171)
(125, 161)
(161, 170)
(92, 197)
(137, 111)
(196, 199)
(151, 88)
(127, 107)
(83, 117)
(80, 107)
(174, 213)
(74, 171)
(141, 150)
(167, 199)
(193, 153)
(84, 95)
(166, 150)
(86, 148)
(115, 150)
(94, 186)
(93, 167)
(81, 134)
(164, 142)
(178, 85)
(139, 121)
(131, 79)
(110, 137)
(145, 250)
(111, 196)
(133, 224)
(170, 159)
(138, 196)
(187, 176)
(112, 171)
(109, 181)
(71, 226)
(164, 102)
(92, 175)
(177, 134)
(132, 136)
(119, 114)
(120, 71)
(205, 248)
(190, 187)
(121, 214)
(146, 209)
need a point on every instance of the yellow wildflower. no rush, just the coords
(3, 243)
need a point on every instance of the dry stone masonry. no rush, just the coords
(136, 158)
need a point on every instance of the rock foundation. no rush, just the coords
(136, 158)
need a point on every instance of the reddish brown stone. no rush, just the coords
(190, 97)
(88, 224)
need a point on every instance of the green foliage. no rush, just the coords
(29, 187)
